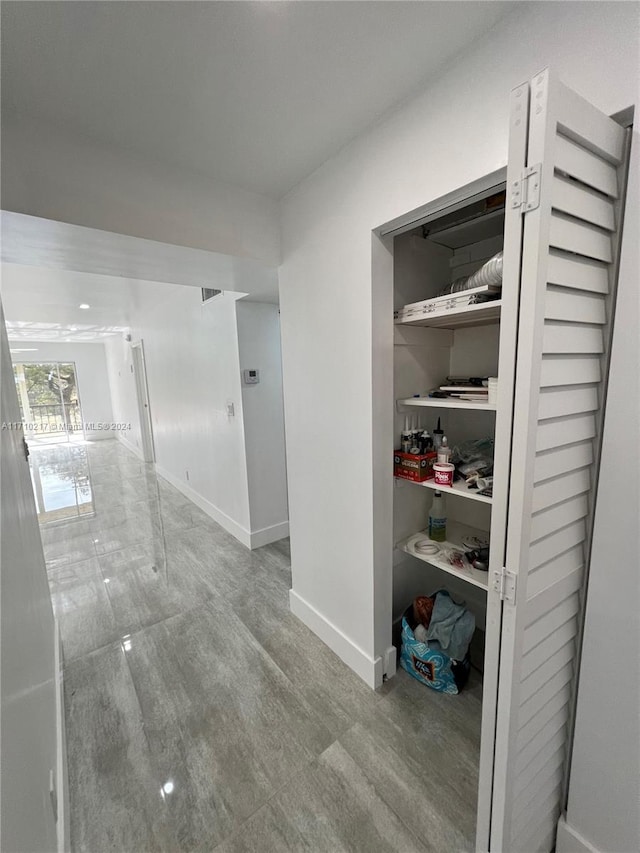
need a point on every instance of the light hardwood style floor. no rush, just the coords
(202, 715)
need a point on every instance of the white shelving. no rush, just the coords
(456, 532)
(457, 318)
(440, 403)
(460, 488)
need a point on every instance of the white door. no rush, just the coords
(33, 766)
(570, 204)
(144, 408)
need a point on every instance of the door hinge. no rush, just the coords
(525, 191)
(504, 583)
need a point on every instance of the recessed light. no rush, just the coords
(84, 306)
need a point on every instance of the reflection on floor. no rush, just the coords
(201, 714)
(61, 481)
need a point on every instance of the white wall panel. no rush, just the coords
(193, 360)
(263, 414)
(29, 676)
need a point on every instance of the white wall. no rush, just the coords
(192, 356)
(31, 721)
(91, 376)
(122, 385)
(49, 173)
(263, 413)
(452, 134)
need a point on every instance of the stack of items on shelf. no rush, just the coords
(422, 456)
(473, 461)
(475, 549)
(483, 286)
(436, 633)
(474, 389)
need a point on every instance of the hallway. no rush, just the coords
(201, 714)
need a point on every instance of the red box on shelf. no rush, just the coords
(406, 466)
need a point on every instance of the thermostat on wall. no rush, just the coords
(251, 377)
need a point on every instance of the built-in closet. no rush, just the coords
(556, 213)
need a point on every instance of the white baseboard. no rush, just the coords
(266, 535)
(569, 840)
(131, 446)
(231, 526)
(369, 669)
(62, 780)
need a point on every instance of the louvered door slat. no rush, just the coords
(582, 202)
(543, 651)
(550, 776)
(555, 546)
(577, 272)
(556, 432)
(562, 305)
(586, 167)
(572, 235)
(557, 461)
(589, 127)
(560, 488)
(539, 677)
(555, 724)
(572, 338)
(569, 244)
(553, 518)
(560, 681)
(555, 403)
(547, 573)
(538, 631)
(539, 826)
(569, 370)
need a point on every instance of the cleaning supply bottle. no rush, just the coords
(425, 441)
(437, 436)
(444, 451)
(437, 519)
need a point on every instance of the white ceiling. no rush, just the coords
(43, 304)
(31, 240)
(49, 268)
(253, 94)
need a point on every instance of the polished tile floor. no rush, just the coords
(202, 715)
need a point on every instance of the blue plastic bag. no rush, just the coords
(433, 668)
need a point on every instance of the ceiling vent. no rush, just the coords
(209, 293)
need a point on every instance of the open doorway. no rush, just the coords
(49, 402)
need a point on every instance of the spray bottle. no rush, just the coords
(437, 519)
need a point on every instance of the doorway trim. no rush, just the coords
(142, 395)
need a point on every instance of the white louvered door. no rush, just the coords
(567, 281)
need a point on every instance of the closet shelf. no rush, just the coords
(459, 488)
(440, 403)
(456, 532)
(458, 318)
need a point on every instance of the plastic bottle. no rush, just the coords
(437, 436)
(444, 451)
(437, 519)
